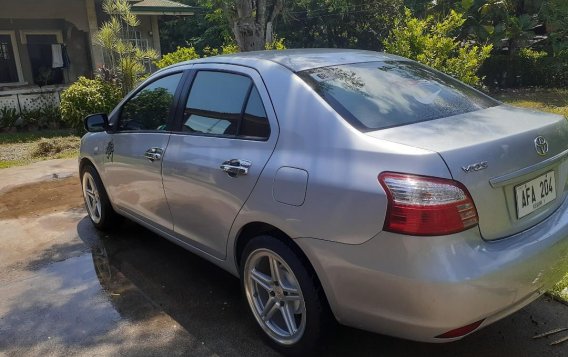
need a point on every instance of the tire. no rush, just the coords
(284, 296)
(97, 203)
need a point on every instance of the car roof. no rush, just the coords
(300, 59)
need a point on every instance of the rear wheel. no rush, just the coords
(284, 296)
(97, 202)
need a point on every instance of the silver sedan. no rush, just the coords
(340, 186)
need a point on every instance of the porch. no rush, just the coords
(52, 42)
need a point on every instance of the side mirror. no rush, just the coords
(96, 122)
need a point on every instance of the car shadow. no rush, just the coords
(205, 300)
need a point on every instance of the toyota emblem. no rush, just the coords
(541, 145)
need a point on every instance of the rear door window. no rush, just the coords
(379, 95)
(225, 104)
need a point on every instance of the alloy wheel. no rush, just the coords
(275, 296)
(92, 198)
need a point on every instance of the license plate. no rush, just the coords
(535, 194)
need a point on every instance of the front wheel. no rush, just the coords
(284, 296)
(97, 202)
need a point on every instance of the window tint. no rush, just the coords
(215, 103)
(150, 108)
(218, 105)
(255, 123)
(378, 95)
(218, 92)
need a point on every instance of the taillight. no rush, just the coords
(426, 206)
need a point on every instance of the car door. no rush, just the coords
(133, 166)
(227, 133)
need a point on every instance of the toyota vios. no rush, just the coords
(340, 185)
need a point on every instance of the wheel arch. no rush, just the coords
(83, 163)
(254, 229)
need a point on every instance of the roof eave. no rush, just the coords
(163, 11)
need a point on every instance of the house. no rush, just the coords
(51, 42)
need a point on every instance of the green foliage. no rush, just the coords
(87, 96)
(32, 118)
(31, 136)
(126, 62)
(208, 27)
(434, 43)
(229, 48)
(276, 44)
(46, 115)
(188, 53)
(526, 68)
(555, 13)
(180, 55)
(361, 24)
(8, 117)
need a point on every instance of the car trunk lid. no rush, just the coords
(493, 152)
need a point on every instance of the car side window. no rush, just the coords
(255, 123)
(225, 104)
(150, 108)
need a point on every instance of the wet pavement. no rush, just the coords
(67, 289)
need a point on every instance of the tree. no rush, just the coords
(435, 44)
(361, 24)
(252, 21)
(125, 62)
(555, 14)
(207, 28)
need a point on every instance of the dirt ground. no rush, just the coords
(39, 198)
(67, 289)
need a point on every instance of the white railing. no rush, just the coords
(31, 98)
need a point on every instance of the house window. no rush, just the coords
(41, 58)
(8, 70)
(135, 38)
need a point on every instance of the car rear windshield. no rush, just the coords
(380, 95)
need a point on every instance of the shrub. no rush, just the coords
(276, 44)
(188, 53)
(87, 96)
(8, 117)
(126, 62)
(527, 68)
(32, 118)
(180, 55)
(46, 115)
(433, 43)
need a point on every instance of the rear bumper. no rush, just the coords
(420, 287)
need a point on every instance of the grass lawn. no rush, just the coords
(22, 148)
(548, 100)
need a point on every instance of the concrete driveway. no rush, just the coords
(66, 289)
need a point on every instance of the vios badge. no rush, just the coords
(541, 145)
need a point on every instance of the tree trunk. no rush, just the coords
(249, 35)
(252, 21)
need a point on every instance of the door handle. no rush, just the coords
(154, 154)
(236, 167)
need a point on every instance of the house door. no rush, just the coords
(41, 58)
(8, 71)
